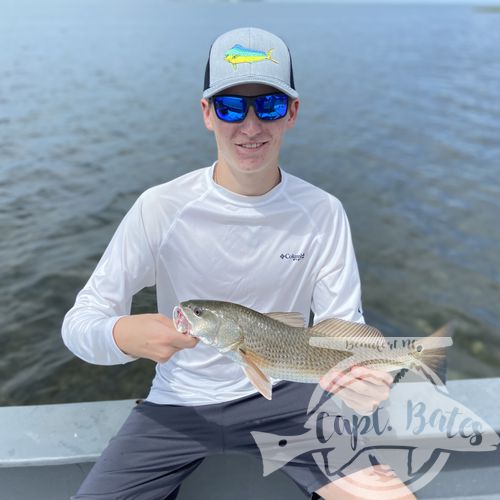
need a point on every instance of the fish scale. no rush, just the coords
(283, 351)
(273, 345)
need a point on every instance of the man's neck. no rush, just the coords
(246, 183)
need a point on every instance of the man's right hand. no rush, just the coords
(150, 336)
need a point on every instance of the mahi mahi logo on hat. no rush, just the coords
(239, 54)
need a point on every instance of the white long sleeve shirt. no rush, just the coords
(287, 250)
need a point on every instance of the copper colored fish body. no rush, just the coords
(278, 345)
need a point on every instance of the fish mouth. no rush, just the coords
(181, 322)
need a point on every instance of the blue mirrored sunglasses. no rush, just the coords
(234, 108)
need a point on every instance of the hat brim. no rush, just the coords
(238, 80)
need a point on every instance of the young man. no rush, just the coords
(242, 230)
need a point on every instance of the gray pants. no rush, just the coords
(160, 445)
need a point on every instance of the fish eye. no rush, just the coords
(198, 311)
(420, 348)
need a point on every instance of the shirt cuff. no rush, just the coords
(118, 356)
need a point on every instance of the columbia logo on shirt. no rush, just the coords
(292, 256)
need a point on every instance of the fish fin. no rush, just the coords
(289, 318)
(440, 338)
(258, 378)
(269, 56)
(437, 364)
(336, 327)
(337, 333)
(235, 67)
(434, 357)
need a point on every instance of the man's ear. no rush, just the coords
(293, 110)
(206, 109)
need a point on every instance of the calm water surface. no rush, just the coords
(400, 119)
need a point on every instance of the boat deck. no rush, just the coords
(47, 450)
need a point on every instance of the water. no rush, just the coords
(400, 118)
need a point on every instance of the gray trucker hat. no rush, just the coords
(249, 55)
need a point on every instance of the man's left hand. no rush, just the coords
(361, 388)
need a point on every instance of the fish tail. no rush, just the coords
(269, 56)
(273, 457)
(434, 357)
(436, 361)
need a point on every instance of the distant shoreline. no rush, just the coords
(488, 8)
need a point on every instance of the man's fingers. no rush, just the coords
(164, 320)
(182, 341)
(334, 381)
(364, 392)
(364, 405)
(176, 339)
(377, 377)
(344, 379)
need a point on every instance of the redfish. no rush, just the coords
(278, 345)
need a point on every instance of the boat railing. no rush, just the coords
(47, 450)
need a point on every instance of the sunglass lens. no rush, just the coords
(230, 109)
(271, 107)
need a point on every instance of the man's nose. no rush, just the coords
(251, 125)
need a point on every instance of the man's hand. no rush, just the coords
(361, 388)
(151, 336)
